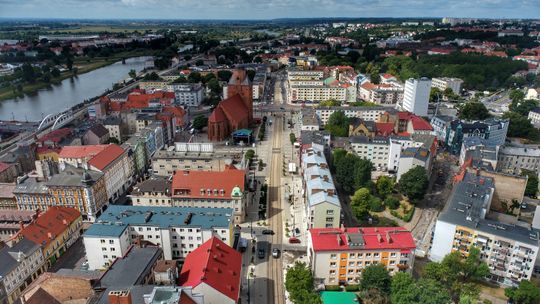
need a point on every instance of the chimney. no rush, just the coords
(388, 237)
(120, 297)
(379, 237)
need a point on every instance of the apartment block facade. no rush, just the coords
(177, 230)
(338, 256)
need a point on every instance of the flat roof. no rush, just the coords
(339, 297)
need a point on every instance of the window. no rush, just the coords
(112, 249)
(329, 212)
(333, 264)
(103, 249)
(102, 241)
(113, 256)
(352, 255)
(393, 254)
(174, 237)
(376, 255)
(148, 229)
(105, 256)
(140, 228)
(111, 241)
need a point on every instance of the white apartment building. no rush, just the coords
(513, 159)
(317, 93)
(339, 255)
(187, 94)
(21, 265)
(509, 250)
(323, 208)
(177, 230)
(444, 83)
(294, 75)
(416, 96)
(364, 113)
(385, 94)
(534, 116)
(374, 149)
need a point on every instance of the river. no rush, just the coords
(68, 93)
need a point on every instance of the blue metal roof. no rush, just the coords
(116, 218)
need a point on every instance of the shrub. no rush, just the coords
(332, 287)
(409, 215)
(376, 205)
(352, 288)
(391, 202)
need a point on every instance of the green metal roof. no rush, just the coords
(339, 297)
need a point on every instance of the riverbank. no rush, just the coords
(83, 65)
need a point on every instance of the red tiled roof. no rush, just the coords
(384, 128)
(50, 224)
(55, 136)
(4, 166)
(387, 76)
(44, 150)
(420, 124)
(374, 238)
(215, 264)
(194, 181)
(234, 109)
(105, 157)
(178, 112)
(217, 115)
(81, 151)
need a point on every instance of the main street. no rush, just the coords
(275, 207)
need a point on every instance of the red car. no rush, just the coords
(294, 240)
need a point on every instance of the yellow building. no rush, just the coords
(54, 230)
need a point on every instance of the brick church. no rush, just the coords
(235, 111)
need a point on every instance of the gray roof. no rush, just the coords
(8, 255)
(468, 204)
(72, 177)
(31, 185)
(129, 271)
(154, 184)
(112, 120)
(418, 153)
(99, 130)
(377, 140)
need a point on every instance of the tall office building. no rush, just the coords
(416, 96)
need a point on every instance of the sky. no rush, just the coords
(266, 9)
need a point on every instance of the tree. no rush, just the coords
(376, 276)
(532, 183)
(434, 94)
(523, 107)
(299, 283)
(385, 186)
(525, 293)
(194, 77)
(473, 111)
(224, 75)
(213, 85)
(55, 72)
(180, 79)
(337, 155)
(362, 172)
(28, 73)
(414, 183)
(520, 126)
(250, 154)
(151, 76)
(338, 124)
(132, 73)
(458, 274)
(375, 77)
(199, 122)
(112, 140)
(516, 95)
(292, 138)
(330, 103)
(343, 172)
(404, 290)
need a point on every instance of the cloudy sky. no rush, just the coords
(267, 9)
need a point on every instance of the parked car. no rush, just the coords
(294, 240)
(275, 253)
(268, 231)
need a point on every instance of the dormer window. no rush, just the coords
(215, 192)
(209, 191)
(222, 192)
(202, 191)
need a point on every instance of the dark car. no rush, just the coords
(268, 231)
(261, 253)
(275, 253)
(294, 240)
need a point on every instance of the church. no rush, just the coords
(235, 111)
